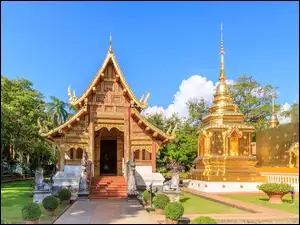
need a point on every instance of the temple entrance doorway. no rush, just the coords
(108, 157)
(109, 152)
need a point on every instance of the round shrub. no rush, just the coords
(64, 194)
(5, 221)
(174, 210)
(204, 220)
(50, 203)
(275, 188)
(146, 195)
(160, 201)
(31, 212)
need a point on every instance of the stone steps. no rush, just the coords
(108, 187)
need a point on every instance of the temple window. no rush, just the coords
(137, 155)
(79, 153)
(71, 153)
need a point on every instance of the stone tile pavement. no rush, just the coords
(106, 211)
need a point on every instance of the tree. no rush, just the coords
(57, 111)
(254, 101)
(293, 112)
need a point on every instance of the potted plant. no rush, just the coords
(173, 211)
(160, 201)
(146, 196)
(65, 196)
(275, 191)
(50, 203)
(204, 220)
(31, 213)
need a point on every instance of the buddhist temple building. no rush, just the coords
(109, 127)
(225, 162)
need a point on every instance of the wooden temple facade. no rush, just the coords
(108, 125)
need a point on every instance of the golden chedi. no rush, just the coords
(224, 144)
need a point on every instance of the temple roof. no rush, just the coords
(110, 57)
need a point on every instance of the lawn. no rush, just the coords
(263, 201)
(196, 205)
(14, 196)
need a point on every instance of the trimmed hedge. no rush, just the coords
(160, 201)
(64, 194)
(174, 210)
(204, 220)
(50, 203)
(146, 195)
(275, 188)
(31, 212)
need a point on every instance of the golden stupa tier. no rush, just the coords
(224, 143)
(226, 168)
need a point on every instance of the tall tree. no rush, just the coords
(57, 111)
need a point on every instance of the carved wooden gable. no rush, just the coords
(109, 97)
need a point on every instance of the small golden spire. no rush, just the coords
(110, 43)
(273, 120)
(222, 76)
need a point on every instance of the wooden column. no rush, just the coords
(153, 155)
(91, 145)
(62, 160)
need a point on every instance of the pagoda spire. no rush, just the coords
(110, 43)
(274, 120)
(222, 76)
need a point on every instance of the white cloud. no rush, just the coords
(284, 107)
(195, 86)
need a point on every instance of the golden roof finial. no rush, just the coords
(110, 43)
(222, 76)
(273, 120)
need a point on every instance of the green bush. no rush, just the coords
(50, 203)
(174, 210)
(64, 194)
(204, 220)
(160, 201)
(31, 212)
(146, 195)
(275, 188)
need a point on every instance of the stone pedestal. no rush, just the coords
(38, 196)
(69, 178)
(173, 195)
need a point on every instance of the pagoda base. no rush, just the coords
(222, 187)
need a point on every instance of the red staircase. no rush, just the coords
(108, 187)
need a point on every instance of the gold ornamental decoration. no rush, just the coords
(109, 126)
(139, 147)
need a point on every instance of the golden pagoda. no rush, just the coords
(273, 120)
(224, 143)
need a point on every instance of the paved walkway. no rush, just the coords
(106, 211)
(256, 212)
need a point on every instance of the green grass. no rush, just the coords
(14, 196)
(262, 200)
(196, 205)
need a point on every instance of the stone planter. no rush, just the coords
(32, 221)
(275, 197)
(159, 211)
(169, 221)
(50, 212)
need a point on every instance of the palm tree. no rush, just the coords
(57, 111)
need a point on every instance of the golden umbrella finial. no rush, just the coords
(110, 43)
(273, 100)
(273, 120)
(222, 77)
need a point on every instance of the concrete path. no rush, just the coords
(106, 211)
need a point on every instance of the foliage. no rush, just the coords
(64, 194)
(293, 112)
(31, 212)
(174, 210)
(160, 201)
(275, 188)
(204, 220)
(21, 107)
(253, 100)
(50, 203)
(198, 109)
(57, 111)
(146, 195)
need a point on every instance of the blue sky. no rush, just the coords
(157, 44)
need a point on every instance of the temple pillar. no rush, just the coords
(61, 160)
(153, 155)
(91, 146)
